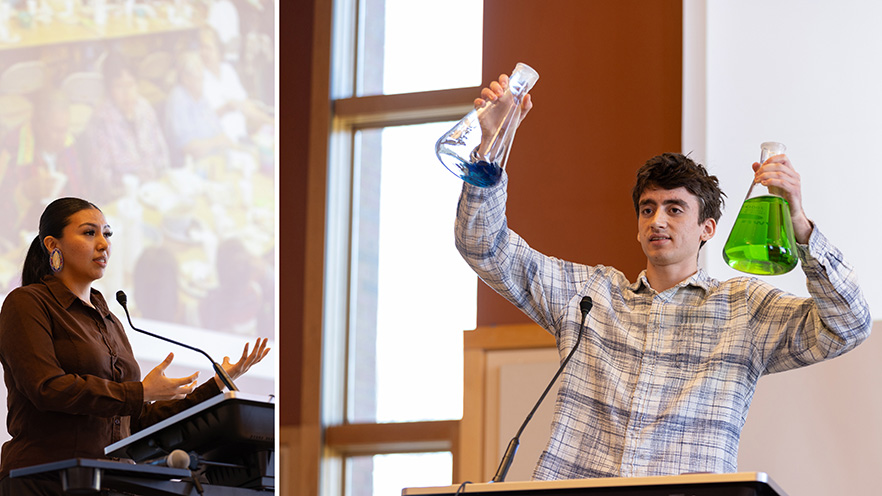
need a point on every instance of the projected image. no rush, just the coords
(162, 113)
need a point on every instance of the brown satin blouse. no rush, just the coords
(73, 385)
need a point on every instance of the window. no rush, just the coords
(409, 46)
(413, 294)
(398, 294)
(387, 474)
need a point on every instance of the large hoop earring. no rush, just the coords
(56, 260)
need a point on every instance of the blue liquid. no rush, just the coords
(481, 173)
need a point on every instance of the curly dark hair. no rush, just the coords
(673, 170)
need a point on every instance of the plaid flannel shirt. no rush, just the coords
(661, 382)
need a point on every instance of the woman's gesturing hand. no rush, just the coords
(159, 387)
(245, 362)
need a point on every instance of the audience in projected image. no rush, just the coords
(157, 289)
(224, 91)
(128, 151)
(38, 162)
(223, 17)
(192, 126)
(257, 64)
(235, 304)
(124, 136)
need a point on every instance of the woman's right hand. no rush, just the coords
(159, 387)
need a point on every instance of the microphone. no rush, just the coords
(224, 377)
(585, 306)
(176, 459)
(180, 459)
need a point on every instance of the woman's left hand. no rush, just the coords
(235, 370)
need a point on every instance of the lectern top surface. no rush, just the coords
(109, 466)
(760, 479)
(118, 448)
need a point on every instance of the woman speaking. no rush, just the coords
(73, 384)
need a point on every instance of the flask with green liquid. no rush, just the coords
(762, 242)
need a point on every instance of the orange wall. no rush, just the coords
(607, 99)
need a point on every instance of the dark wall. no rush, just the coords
(295, 59)
(608, 98)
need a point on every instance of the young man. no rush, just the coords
(667, 367)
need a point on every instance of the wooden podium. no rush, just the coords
(736, 484)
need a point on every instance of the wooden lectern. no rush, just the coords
(736, 484)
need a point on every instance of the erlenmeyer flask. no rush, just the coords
(762, 242)
(477, 147)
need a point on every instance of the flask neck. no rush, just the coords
(522, 80)
(757, 190)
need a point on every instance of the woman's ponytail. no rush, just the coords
(36, 264)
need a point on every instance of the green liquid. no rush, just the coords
(761, 242)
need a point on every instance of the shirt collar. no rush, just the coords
(699, 280)
(66, 298)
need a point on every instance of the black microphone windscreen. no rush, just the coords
(121, 297)
(586, 304)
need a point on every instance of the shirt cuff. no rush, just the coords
(480, 194)
(819, 252)
(134, 398)
(205, 391)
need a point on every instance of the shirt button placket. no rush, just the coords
(644, 390)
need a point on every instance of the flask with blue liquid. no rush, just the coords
(477, 147)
